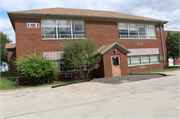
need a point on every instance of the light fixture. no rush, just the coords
(115, 50)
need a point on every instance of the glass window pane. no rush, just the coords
(129, 60)
(136, 60)
(64, 28)
(142, 31)
(133, 31)
(154, 58)
(123, 30)
(151, 31)
(115, 60)
(145, 59)
(78, 29)
(48, 28)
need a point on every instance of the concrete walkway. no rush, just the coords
(148, 99)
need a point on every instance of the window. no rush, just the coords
(154, 58)
(59, 65)
(115, 61)
(133, 31)
(58, 29)
(64, 28)
(136, 60)
(48, 29)
(151, 31)
(141, 31)
(129, 60)
(78, 29)
(143, 59)
(123, 30)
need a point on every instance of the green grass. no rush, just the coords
(8, 83)
(161, 70)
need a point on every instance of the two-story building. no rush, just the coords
(127, 43)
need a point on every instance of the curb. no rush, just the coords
(70, 83)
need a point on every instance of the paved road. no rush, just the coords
(148, 99)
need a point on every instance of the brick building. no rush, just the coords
(126, 42)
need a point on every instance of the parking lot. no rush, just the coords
(147, 99)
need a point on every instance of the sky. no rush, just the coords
(168, 10)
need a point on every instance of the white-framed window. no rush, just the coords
(133, 31)
(48, 28)
(151, 31)
(33, 25)
(59, 65)
(142, 59)
(154, 58)
(136, 60)
(139, 31)
(142, 30)
(123, 30)
(60, 29)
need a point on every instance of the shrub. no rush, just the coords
(35, 67)
(80, 53)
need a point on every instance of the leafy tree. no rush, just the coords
(35, 67)
(80, 53)
(4, 40)
(172, 44)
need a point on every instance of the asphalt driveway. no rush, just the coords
(147, 99)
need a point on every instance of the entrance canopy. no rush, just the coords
(105, 48)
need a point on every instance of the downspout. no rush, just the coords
(162, 45)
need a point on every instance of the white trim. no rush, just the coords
(71, 29)
(120, 47)
(143, 64)
(62, 38)
(138, 38)
(100, 48)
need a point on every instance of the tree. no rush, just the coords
(172, 44)
(4, 40)
(35, 67)
(80, 53)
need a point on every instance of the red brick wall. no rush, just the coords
(104, 32)
(11, 58)
(107, 63)
(144, 68)
(176, 61)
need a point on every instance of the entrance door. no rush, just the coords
(116, 67)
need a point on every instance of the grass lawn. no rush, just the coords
(8, 83)
(171, 68)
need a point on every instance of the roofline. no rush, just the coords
(89, 16)
(25, 14)
(122, 48)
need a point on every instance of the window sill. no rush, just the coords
(142, 65)
(138, 38)
(62, 38)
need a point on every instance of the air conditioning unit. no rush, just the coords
(33, 25)
(68, 75)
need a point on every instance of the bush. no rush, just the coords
(35, 67)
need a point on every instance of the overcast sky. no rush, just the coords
(168, 10)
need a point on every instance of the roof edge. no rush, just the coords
(117, 45)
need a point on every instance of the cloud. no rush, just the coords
(6, 28)
(168, 10)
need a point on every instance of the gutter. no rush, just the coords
(162, 44)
